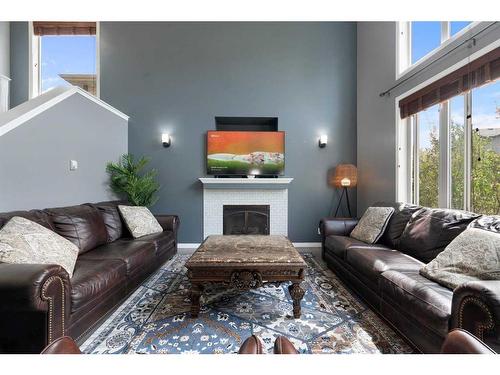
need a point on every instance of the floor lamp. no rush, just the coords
(346, 176)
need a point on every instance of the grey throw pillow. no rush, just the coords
(25, 242)
(139, 220)
(372, 224)
(473, 255)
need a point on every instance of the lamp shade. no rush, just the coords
(346, 175)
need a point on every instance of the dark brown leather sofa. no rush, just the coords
(41, 303)
(386, 275)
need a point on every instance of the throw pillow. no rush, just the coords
(372, 224)
(473, 255)
(25, 242)
(139, 220)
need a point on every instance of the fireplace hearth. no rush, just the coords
(246, 219)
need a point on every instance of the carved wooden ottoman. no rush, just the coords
(245, 262)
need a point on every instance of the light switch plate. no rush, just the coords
(73, 165)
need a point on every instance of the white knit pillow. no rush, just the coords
(372, 224)
(139, 220)
(473, 255)
(23, 241)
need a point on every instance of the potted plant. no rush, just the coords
(128, 179)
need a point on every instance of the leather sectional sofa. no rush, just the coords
(386, 275)
(41, 303)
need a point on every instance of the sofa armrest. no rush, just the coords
(168, 222)
(476, 308)
(336, 226)
(459, 341)
(41, 290)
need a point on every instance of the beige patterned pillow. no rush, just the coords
(473, 255)
(372, 224)
(139, 220)
(24, 242)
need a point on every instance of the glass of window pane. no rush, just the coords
(456, 26)
(68, 60)
(485, 186)
(457, 143)
(428, 156)
(425, 37)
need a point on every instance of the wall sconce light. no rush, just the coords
(323, 140)
(165, 139)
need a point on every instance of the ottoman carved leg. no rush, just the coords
(297, 293)
(196, 290)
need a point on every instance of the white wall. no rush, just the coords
(5, 48)
(376, 116)
(34, 157)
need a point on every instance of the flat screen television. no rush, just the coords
(240, 153)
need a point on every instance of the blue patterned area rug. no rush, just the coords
(156, 319)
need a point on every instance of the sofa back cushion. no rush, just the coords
(397, 223)
(37, 216)
(430, 230)
(112, 219)
(83, 225)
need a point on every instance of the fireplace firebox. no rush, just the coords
(246, 219)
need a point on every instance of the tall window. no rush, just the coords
(65, 53)
(472, 125)
(485, 158)
(427, 123)
(68, 60)
(420, 39)
(457, 157)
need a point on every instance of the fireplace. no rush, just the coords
(245, 219)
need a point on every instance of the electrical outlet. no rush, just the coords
(73, 165)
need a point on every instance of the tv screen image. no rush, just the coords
(245, 153)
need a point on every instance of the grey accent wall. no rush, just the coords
(19, 63)
(34, 157)
(175, 77)
(5, 49)
(376, 116)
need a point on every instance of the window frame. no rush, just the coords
(445, 182)
(35, 57)
(403, 45)
(405, 138)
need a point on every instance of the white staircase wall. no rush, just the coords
(35, 153)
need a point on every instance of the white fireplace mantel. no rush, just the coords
(218, 192)
(245, 183)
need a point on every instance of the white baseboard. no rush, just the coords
(187, 245)
(307, 244)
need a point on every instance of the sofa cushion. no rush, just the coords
(37, 216)
(94, 277)
(139, 220)
(425, 301)
(135, 254)
(25, 242)
(472, 256)
(111, 218)
(338, 245)
(162, 241)
(372, 224)
(397, 223)
(83, 225)
(430, 230)
(371, 262)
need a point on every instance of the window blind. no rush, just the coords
(479, 72)
(64, 28)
